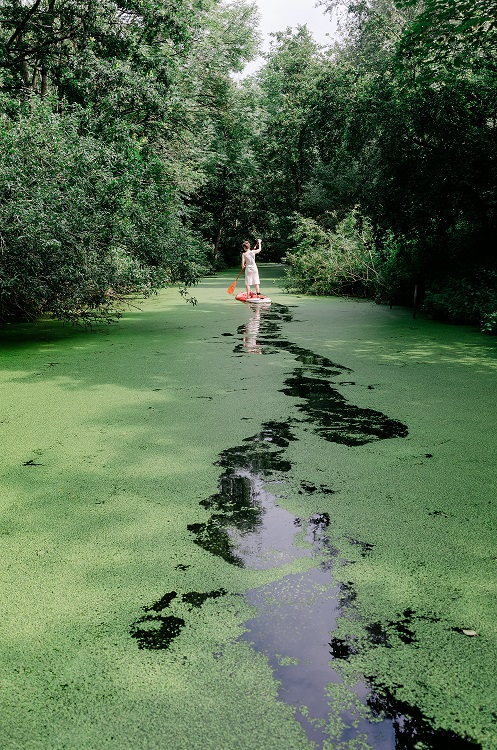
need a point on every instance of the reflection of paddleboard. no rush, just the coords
(242, 297)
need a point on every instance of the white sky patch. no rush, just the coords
(278, 15)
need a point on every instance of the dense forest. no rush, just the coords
(133, 156)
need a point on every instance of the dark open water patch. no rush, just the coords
(292, 628)
(157, 631)
(296, 615)
(247, 527)
(377, 633)
(412, 731)
(333, 418)
(325, 409)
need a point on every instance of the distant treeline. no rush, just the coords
(132, 158)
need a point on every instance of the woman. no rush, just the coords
(250, 266)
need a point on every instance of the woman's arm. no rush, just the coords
(243, 261)
(258, 247)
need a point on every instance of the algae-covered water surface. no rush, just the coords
(256, 527)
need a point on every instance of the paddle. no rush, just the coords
(232, 286)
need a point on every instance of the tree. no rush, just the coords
(461, 31)
(286, 148)
(106, 162)
(222, 205)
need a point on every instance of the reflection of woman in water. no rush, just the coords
(250, 266)
(251, 331)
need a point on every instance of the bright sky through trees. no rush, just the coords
(277, 15)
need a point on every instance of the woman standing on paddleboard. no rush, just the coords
(250, 266)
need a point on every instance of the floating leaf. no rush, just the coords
(469, 632)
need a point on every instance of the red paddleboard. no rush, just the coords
(242, 297)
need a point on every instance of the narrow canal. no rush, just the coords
(269, 527)
(247, 527)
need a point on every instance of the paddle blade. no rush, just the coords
(231, 288)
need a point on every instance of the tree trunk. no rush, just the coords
(219, 233)
(25, 74)
(44, 82)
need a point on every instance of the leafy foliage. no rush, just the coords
(108, 127)
(399, 120)
(286, 142)
(457, 30)
(134, 158)
(472, 300)
(334, 261)
(78, 225)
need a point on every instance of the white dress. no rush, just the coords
(251, 271)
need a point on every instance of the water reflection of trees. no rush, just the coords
(239, 504)
(234, 506)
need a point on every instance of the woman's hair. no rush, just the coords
(246, 246)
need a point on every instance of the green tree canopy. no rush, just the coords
(109, 120)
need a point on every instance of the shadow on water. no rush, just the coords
(296, 615)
